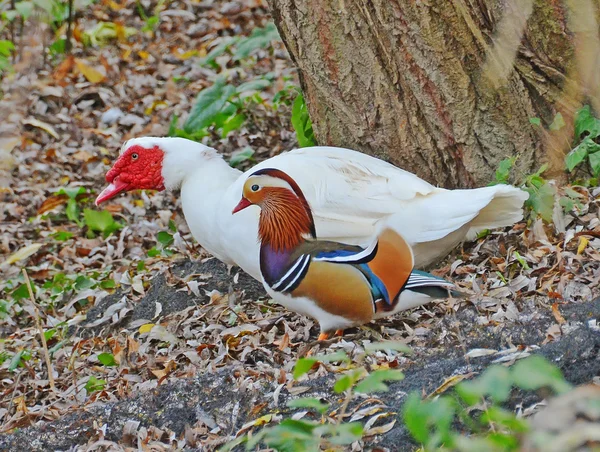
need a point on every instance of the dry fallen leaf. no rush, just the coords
(90, 73)
(23, 253)
(41, 125)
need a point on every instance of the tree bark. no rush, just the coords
(415, 82)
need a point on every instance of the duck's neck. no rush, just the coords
(187, 160)
(285, 222)
(204, 179)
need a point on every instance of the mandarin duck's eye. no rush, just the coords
(134, 156)
(254, 187)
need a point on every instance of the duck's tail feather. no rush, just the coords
(422, 288)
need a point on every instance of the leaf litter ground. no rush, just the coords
(113, 326)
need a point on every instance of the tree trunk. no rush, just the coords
(445, 89)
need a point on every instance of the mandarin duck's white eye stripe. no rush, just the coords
(292, 276)
(349, 257)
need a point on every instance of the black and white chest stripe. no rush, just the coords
(290, 280)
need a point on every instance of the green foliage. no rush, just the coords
(258, 39)
(300, 435)
(107, 359)
(164, 239)
(73, 211)
(244, 155)
(541, 192)
(6, 49)
(302, 124)
(242, 47)
(450, 421)
(503, 171)
(101, 221)
(220, 107)
(586, 154)
(94, 384)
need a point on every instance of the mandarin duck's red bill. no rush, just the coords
(351, 195)
(337, 284)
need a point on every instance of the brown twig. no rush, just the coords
(41, 330)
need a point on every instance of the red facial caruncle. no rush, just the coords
(138, 168)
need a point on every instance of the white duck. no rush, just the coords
(352, 196)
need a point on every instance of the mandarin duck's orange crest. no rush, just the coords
(285, 218)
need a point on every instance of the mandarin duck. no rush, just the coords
(351, 195)
(337, 284)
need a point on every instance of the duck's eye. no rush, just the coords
(254, 187)
(134, 156)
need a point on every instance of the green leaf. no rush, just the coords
(6, 47)
(101, 221)
(301, 123)
(173, 126)
(495, 382)
(541, 197)
(62, 236)
(73, 211)
(343, 383)
(259, 38)
(71, 192)
(577, 155)
(289, 436)
(258, 84)
(309, 402)
(83, 282)
(558, 122)
(108, 284)
(421, 416)
(503, 171)
(208, 104)
(498, 415)
(16, 361)
(242, 156)
(25, 9)
(535, 121)
(303, 365)
(94, 384)
(233, 123)
(153, 252)
(58, 47)
(217, 51)
(164, 238)
(398, 346)
(375, 381)
(107, 359)
(345, 433)
(521, 260)
(594, 160)
(585, 124)
(536, 372)
(49, 334)
(20, 292)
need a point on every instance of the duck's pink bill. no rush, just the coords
(241, 205)
(111, 191)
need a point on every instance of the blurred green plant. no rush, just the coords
(292, 435)
(473, 417)
(164, 240)
(6, 50)
(301, 122)
(242, 47)
(586, 154)
(221, 107)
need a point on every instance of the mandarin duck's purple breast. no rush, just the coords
(273, 264)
